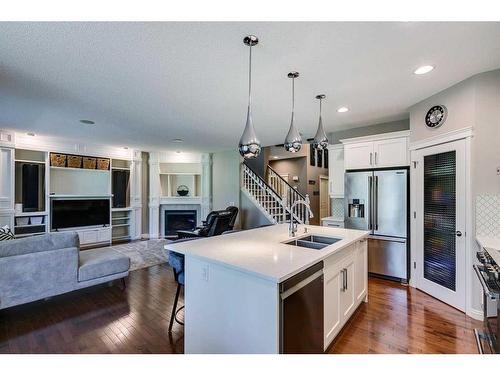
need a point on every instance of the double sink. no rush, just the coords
(313, 241)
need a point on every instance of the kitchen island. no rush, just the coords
(234, 287)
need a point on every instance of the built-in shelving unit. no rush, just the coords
(121, 224)
(63, 169)
(173, 175)
(30, 186)
(121, 214)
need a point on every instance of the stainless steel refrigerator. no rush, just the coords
(378, 201)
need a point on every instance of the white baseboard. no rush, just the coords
(475, 314)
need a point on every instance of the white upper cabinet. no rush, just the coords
(336, 171)
(390, 152)
(378, 151)
(358, 155)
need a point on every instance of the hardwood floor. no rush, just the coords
(106, 320)
(399, 319)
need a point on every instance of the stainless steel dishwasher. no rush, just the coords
(301, 312)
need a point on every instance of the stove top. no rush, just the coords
(491, 269)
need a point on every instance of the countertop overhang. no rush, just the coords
(262, 253)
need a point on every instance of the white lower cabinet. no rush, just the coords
(361, 270)
(89, 237)
(332, 289)
(345, 287)
(347, 302)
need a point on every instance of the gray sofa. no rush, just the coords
(37, 267)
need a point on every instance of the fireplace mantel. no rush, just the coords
(162, 164)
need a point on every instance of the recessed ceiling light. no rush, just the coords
(178, 152)
(275, 157)
(423, 69)
(342, 109)
(125, 148)
(31, 134)
(177, 140)
(87, 122)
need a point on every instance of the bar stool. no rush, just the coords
(176, 260)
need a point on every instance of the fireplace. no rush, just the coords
(179, 220)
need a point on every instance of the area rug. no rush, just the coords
(143, 254)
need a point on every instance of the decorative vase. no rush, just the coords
(182, 190)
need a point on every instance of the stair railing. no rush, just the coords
(288, 193)
(265, 196)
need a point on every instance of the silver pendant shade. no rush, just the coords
(320, 141)
(249, 146)
(293, 140)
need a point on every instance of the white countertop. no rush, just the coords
(261, 252)
(491, 245)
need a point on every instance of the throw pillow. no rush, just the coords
(6, 234)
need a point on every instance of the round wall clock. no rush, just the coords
(436, 116)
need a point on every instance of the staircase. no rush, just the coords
(275, 197)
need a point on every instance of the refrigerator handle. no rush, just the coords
(375, 202)
(369, 205)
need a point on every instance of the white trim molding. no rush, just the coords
(376, 137)
(450, 136)
(461, 134)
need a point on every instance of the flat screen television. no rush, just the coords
(72, 213)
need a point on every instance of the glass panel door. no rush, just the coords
(440, 219)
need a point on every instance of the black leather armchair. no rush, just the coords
(217, 223)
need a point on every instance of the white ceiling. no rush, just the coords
(147, 83)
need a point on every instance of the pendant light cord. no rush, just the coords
(293, 95)
(320, 102)
(250, 78)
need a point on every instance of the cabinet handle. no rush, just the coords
(344, 279)
(371, 158)
(375, 157)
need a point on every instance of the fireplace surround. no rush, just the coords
(174, 217)
(176, 220)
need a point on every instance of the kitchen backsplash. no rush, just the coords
(488, 215)
(337, 205)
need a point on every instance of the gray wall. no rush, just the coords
(226, 180)
(250, 215)
(293, 167)
(472, 102)
(386, 127)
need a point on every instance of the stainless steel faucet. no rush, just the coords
(292, 228)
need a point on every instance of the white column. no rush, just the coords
(154, 195)
(136, 194)
(7, 187)
(206, 185)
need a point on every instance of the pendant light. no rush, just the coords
(249, 145)
(293, 140)
(320, 141)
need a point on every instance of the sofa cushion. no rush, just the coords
(97, 263)
(35, 244)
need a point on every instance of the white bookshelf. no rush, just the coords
(23, 157)
(121, 224)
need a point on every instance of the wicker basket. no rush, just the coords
(89, 163)
(57, 160)
(74, 161)
(103, 164)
